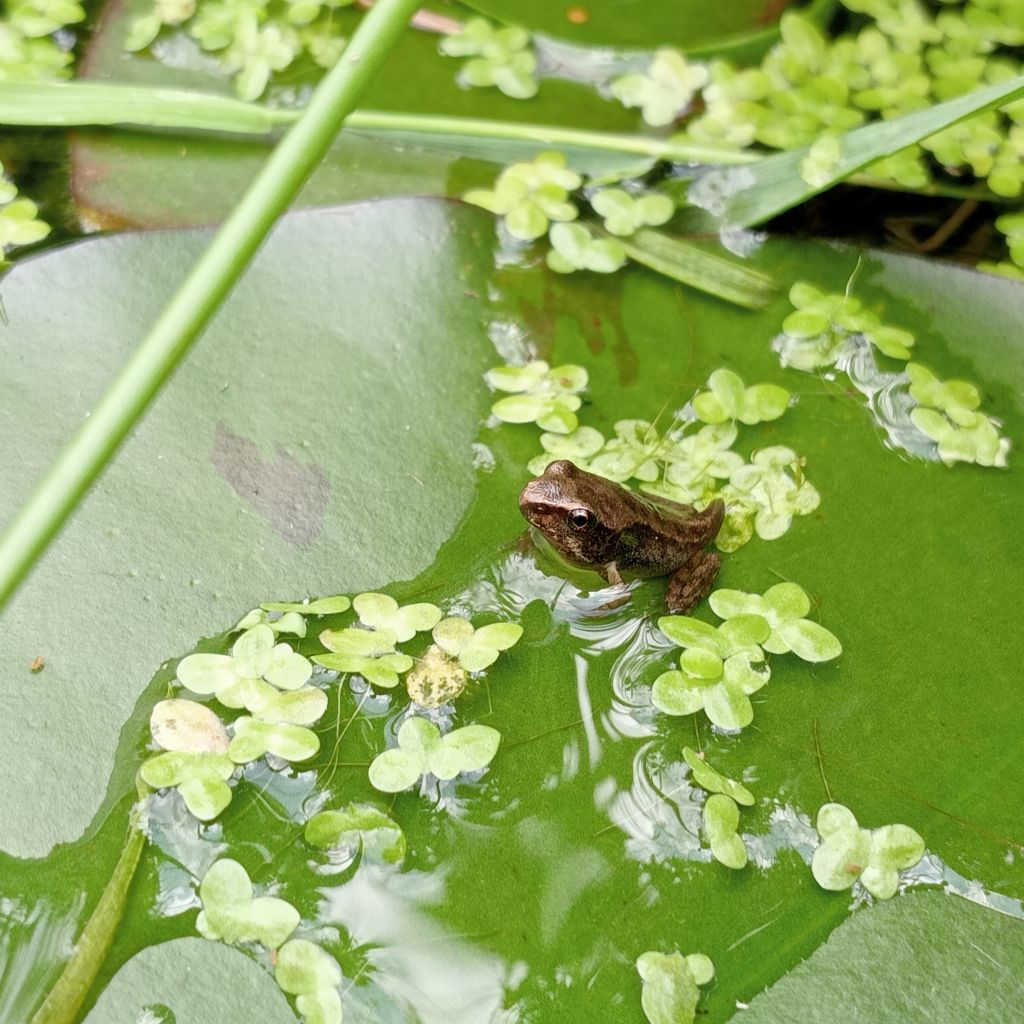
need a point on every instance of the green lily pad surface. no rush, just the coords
(346, 377)
(277, 498)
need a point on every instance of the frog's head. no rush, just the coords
(568, 506)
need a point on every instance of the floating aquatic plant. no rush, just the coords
(232, 914)
(475, 649)
(442, 673)
(764, 495)
(250, 675)
(716, 671)
(422, 750)
(320, 606)
(253, 39)
(499, 57)
(186, 725)
(671, 985)
(947, 412)
(728, 398)
(19, 223)
(713, 781)
(291, 623)
(358, 827)
(383, 613)
(664, 90)
(255, 737)
(369, 653)
(849, 853)
(531, 194)
(200, 778)
(783, 608)
(547, 396)
(624, 213)
(721, 818)
(824, 323)
(305, 970)
(574, 247)
(437, 678)
(578, 447)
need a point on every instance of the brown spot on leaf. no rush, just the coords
(37, 664)
(290, 495)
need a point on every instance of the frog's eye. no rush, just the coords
(580, 518)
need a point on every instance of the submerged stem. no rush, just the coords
(65, 999)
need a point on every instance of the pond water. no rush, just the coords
(529, 890)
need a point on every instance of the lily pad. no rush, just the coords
(307, 971)
(570, 844)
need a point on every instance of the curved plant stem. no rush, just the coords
(83, 103)
(65, 999)
(84, 457)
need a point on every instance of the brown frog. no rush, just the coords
(597, 524)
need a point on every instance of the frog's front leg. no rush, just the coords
(614, 579)
(692, 582)
(612, 575)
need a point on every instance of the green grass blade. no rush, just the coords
(85, 456)
(82, 103)
(695, 266)
(71, 104)
(749, 195)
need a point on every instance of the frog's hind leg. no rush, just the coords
(692, 582)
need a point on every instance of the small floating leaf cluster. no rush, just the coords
(544, 196)
(665, 90)
(233, 914)
(263, 675)
(905, 57)
(692, 463)
(830, 329)
(252, 38)
(19, 221)
(1012, 226)
(721, 814)
(721, 666)
(267, 678)
(358, 827)
(849, 853)
(502, 58)
(29, 48)
(422, 750)
(808, 89)
(671, 985)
